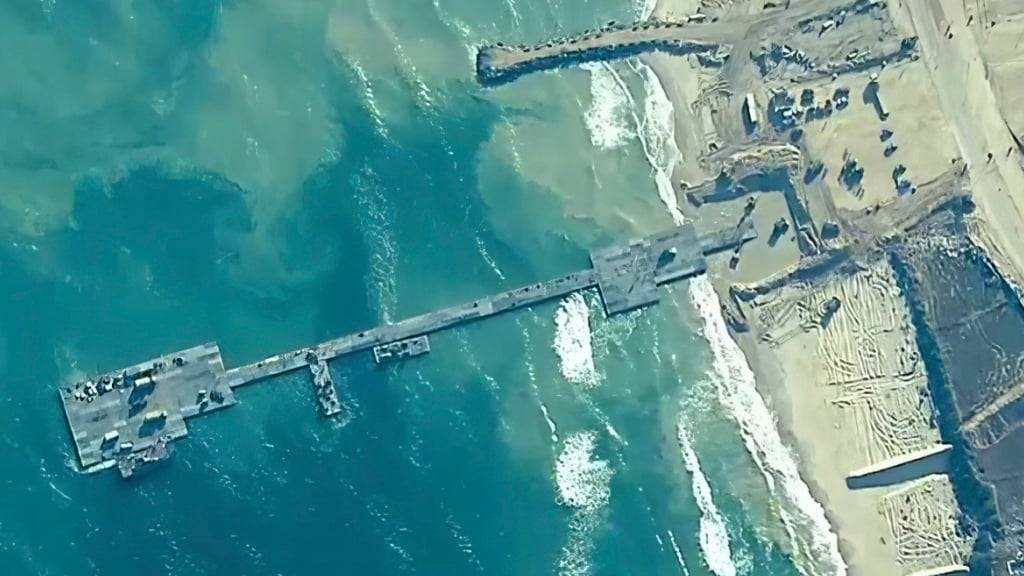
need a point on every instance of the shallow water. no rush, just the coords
(269, 174)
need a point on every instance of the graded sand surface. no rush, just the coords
(924, 144)
(1003, 49)
(847, 379)
(857, 391)
(856, 516)
(852, 394)
(969, 104)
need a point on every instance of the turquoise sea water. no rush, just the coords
(268, 174)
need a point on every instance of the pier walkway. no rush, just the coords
(119, 415)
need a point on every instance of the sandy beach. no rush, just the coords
(843, 131)
(852, 394)
(849, 393)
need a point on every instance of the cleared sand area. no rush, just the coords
(924, 526)
(848, 385)
(960, 77)
(849, 412)
(857, 396)
(920, 141)
(1000, 30)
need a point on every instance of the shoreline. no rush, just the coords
(768, 374)
(817, 355)
(769, 377)
(855, 517)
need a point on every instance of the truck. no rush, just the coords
(751, 108)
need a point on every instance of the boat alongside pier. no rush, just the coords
(129, 416)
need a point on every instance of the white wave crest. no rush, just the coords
(573, 341)
(582, 482)
(801, 514)
(606, 118)
(659, 138)
(376, 217)
(514, 10)
(803, 517)
(551, 423)
(486, 255)
(370, 99)
(575, 557)
(714, 538)
(678, 553)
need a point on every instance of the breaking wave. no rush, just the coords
(552, 427)
(678, 553)
(573, 341)
(644, 8)
(714, 538)
(606, 118)
(803, 516)
(658, 138)
(583, 484)
(370, 100)
(375, 218)
(813, 541)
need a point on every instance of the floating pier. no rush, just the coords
(323, 385)
(401, 350)
(127, 417)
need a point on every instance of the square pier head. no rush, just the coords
(628, 275)
(129, 410)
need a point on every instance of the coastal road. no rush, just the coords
(968, 102)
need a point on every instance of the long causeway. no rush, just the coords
(503, 63)
(126, 417)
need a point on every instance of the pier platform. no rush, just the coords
(131, 409)
(128, 416)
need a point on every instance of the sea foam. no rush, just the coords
(573, 341)
(582, 482)
(370, 100)
(737, 391)
(376, 214)
(658, 131)
(644, 8)
(714, 538)
(606, 117)
(678, 553)
(813, 541)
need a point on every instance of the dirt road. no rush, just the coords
(968, 102)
